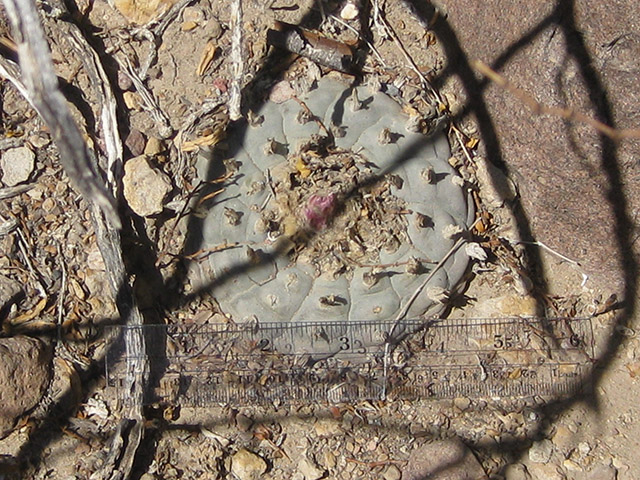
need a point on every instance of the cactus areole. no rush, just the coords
(339, 210)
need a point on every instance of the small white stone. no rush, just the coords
(17, 164)
(145, 187)
(584, 448)
(349, 12)
(392, 473)
(457, 180)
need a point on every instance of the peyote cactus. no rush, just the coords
(340, 226)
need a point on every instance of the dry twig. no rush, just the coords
(566, 113)
(41, 90)
(237, 59)
(385, 27)
(39, 84)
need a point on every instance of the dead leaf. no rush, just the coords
(206, 58)
(25, 317)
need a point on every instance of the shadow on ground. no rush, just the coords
(563, 19)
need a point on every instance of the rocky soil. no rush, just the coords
(556, 201)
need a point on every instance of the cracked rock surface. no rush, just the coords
(21, 392)
(330, 230)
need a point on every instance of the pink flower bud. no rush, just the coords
(319, 209)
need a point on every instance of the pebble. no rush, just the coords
(497, 188)
(243, 422)
(546, 472)
(329, 459)
(281, 92)
(392, 473)
(214, 29)
(443, 460)
(584, 448)
(349, 11)
(135, 142)
(154, 146)
(516, 471)
(17, 164)
(461, 403)
(246, 465)
(540, 452)
(511, 304)
(309, 469)
(193, 14)
(25, 372)
(124, 81)
(132, 100)
(9, 290)
(39, 140)
(327, 427)
(564, 440)
(142, 11)
(571, 466)
(602, 472)
(145, 188)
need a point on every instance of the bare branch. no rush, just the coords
(237, 59)
(565, 113)
(41, 85)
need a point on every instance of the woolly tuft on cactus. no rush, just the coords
(319, 209)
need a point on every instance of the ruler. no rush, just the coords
(337, 362)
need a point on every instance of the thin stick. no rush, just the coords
(565, 113)
(150, 104)
(9, 192)
(577, 265)
(405, 309)
(461, 143)
(237, 59)
(22, 244)
(63, 290)
(379, 16)
(369, 44)
(323, 14)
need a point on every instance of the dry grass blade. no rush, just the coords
(42, 90)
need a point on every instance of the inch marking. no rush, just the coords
(197, 365)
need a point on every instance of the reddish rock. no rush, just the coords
(577, 190)
(443, 460)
